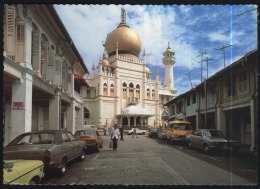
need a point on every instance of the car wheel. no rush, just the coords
(32, 182)
(82, 155)
(206, 149)
(63, 167)
(143, 133)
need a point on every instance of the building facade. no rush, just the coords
(43, 72)
(121, 89)
(227, 101)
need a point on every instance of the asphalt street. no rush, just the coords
(151, 161)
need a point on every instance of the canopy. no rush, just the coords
(135, 110)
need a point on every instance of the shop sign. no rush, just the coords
(18, 105)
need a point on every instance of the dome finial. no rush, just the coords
(123, 16)
(168, 45)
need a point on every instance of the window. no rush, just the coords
(112, 90)
(193, 98)
(131, 90)
(162, 99)
(137, 91)
(188, 101)
(148, 93)
(242, 82)
(65, 137)
(153, 94)
(105, 89)
(124, 90)
(229, 87)
(86, 113)
(88, 93)
(180, 107)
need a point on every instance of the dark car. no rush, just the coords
(54, 147)
(211, 139)
(153, 132)
(91, 138)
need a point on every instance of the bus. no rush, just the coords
(177, 130)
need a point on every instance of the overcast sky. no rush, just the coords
(189, 30)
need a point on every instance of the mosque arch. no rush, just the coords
(105, 89)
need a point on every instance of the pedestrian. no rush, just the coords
(105, 131)
(121, 133)
(134, 133)
(114, 136)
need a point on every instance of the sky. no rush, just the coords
(189, 29)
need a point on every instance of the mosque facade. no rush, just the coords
(120, 88)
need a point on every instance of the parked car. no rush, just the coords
(153, 132)
(91, 138)
(138, 131)
(211, 139)
(162, 134)
(177, 130)
(23, 171)
(54, 147)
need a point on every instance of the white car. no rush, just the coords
(138, 131)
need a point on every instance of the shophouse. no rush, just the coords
(43, 72)
(227, 101)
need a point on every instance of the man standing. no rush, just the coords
(121, 133)
(134, 133)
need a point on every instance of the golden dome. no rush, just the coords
(127, 39)
(104, 60)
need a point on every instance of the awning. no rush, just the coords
(81, 80)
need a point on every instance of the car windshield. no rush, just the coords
(154, 129)
(213, 133)
(86, 133)
(34, 138)
(181, 127)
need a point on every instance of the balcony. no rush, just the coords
(132, 100)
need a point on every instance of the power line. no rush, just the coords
(223, 49)
(253, 8)
(190, 79)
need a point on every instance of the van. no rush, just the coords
(177, 130)
(89, 127)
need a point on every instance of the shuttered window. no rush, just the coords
(36, 50)
(10, 32)
(57, 72)
(20, 40)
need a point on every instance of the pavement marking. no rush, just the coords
(212, 158)
(96, 157)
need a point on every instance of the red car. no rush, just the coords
(91, 137)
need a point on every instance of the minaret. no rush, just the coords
(93, 70)
(168, 61)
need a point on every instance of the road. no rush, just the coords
(151, 161)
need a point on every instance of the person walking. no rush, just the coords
(114, 136)
(134, 133)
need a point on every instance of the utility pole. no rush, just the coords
(201, 54)
(190, 79)
(207, 60)
(222, 48)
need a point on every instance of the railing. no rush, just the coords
(78, 96)
(132, 100)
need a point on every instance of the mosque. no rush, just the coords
(120, 89)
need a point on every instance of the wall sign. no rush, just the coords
(18, 105)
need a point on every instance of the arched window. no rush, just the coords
(124, 90)
(153, 94)
(137, 91)
(112, 90)
(105, 89)
(86, 113)
(148, 94)
(131, 90)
